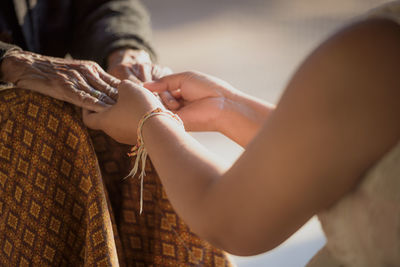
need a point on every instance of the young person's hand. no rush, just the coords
(197, 98)
(121, 120)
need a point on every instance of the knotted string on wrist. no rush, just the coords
(140, 151)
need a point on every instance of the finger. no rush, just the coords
(127, 85)
(92, 119)
(96, 93)
(176, 94)
(142, 71)
(72, 76)
(93, 104)
(103, 97)
(156, 86)
(169, 101)
(87, 101)
(102, 91)
(158, 72)
(92, 75)
(170, 83)
(114, 82)
(132, 77)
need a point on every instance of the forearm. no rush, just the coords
(186, 168)
(206, 193)
(242, 117)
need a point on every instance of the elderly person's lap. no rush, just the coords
(63, 200)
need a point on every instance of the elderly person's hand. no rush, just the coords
(82, 83)
(134, 65)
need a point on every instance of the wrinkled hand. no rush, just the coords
(82, 83)
(121, 120)
(197, 98)
(134, 65)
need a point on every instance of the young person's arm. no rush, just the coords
(206, 103)
(337, 117)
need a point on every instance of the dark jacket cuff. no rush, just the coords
(4, 48)
(126, 43)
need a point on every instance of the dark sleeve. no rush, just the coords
(100, 26)
(4, 47)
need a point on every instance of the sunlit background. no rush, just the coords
(256, 45)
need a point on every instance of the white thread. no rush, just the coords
(140, 151)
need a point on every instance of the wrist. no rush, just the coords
(227, 117)
(153, 120)
(230, 99)
(3, 68)
(4, 62)
(6, 68)
(242, 117)
(5, 82)
(5, 50)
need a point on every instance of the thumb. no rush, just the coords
(92, 119)
(156, 86)
(171, 82)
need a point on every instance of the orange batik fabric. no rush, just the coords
(64, 202)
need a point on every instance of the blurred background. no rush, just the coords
(256, 45)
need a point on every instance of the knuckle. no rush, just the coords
(82, 85)
(187, 73)
(77, 92)
(86, 99)
(191, 73)
(83, 97)
(125, 83)
(87, 62)
(75, 73)
(84, 67)
(94, 64)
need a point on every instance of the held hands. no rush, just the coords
(121, 120)
(199, 100)
(82, 83)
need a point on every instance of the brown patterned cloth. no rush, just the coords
(59, 208)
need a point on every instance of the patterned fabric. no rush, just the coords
(63, 201)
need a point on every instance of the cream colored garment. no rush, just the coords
(390, 11)
(363, 228)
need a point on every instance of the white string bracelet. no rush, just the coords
(140, 151)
